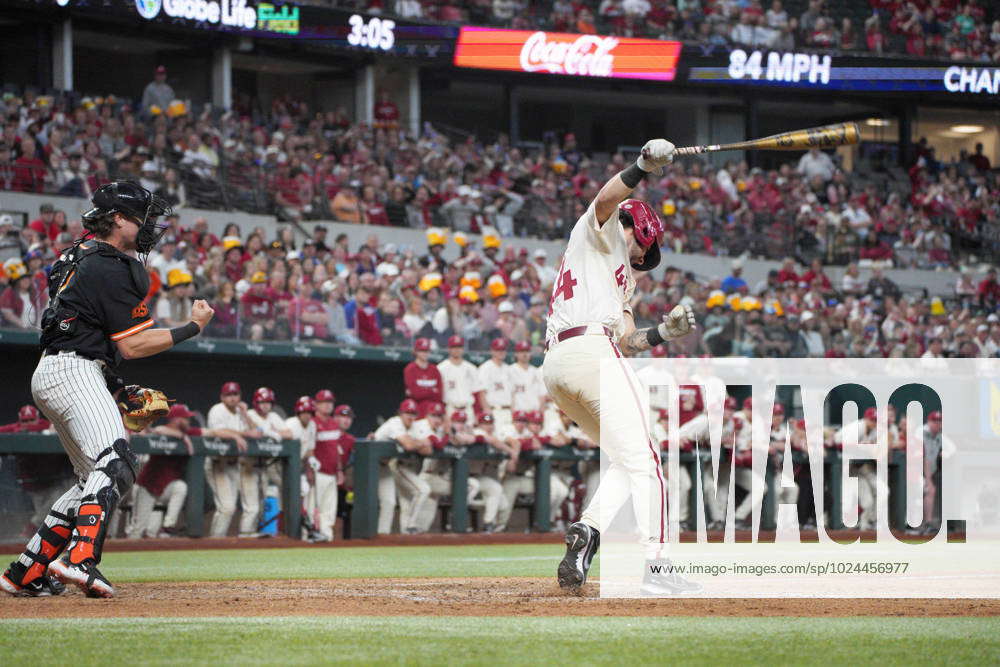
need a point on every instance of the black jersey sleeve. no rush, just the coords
(123, 307)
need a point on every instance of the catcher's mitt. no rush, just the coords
(140, 406)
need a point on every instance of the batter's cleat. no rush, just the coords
(489, 528)
(660, 580)
(582, 543)
(85, 576)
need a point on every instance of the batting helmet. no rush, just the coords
(304, 404)
(499, 344)
(408, 406)
(422, 345)
(523, 346)
(324, 395)
(344, 411)
(263, 395)
(456, 341)
(648, 230)
(486, 418)
(133, 200)
(27, 413)
(231, 388)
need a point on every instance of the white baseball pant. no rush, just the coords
(150, 513)
(323, 501)
(574, 376)
(223, 475)
(440, 485)
(492, 492)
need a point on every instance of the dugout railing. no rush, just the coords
(369, 455)
(289, 451)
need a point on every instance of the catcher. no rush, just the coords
(97, 316)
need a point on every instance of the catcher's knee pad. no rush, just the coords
(120, 464)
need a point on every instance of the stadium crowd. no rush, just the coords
(947, 29)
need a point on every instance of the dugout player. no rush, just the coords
(97, 316)
(591, 319)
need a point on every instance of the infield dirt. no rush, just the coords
(442, 597)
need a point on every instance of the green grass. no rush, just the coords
(528, 560)
(557, 640)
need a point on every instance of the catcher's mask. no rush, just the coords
(136, 202)
(647, 228)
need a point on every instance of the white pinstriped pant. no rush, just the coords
(71, 392)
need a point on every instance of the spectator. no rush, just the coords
(735, 283)
(978, 160)
(30, 173)
(346, 206)
(988, 291)
(386, 112)
(816, 164)
(174, 309)
(158, 94)
(18, 302)
(225, 322)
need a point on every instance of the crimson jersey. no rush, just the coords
(260, 307)
(333, 446)
(691, 402)
(424, 385)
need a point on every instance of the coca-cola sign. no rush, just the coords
(564, 53)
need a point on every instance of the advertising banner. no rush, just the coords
(565, 53)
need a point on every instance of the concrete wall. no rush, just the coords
(703, 266)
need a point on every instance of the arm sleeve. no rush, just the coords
(121, 305)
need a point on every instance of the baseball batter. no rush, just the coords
(97, 316)
(590, 320)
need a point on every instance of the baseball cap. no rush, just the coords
(778, 409)
(871, 413)
(421, 345)
(523, 346)
(506, 307)
(731, 402)
(458, 416)
(343, 411)
(934, 416)
(436, 409)
(520, 416)
(486, 418)
(27, 413)
(179, 411)
(160, 69)
(748, 403)
(408, 406)
(535, 417)
(324, 395)
(231, 388)
(456, 341)
(499, 344)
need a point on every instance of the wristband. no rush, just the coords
(653, 336)
(180, 334)
(632, 176)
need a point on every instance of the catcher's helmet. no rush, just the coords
(648, 230)
(135, 201)
(263, 395)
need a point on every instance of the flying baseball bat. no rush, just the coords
(827, 136)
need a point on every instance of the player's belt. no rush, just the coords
(51, 352)
(573, 332)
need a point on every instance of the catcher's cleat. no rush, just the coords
(582, 543)
(660, 580)
(40, 587)
(85, 576)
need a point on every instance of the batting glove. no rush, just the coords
(678, 322)
(656, 154)
(314, 463)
